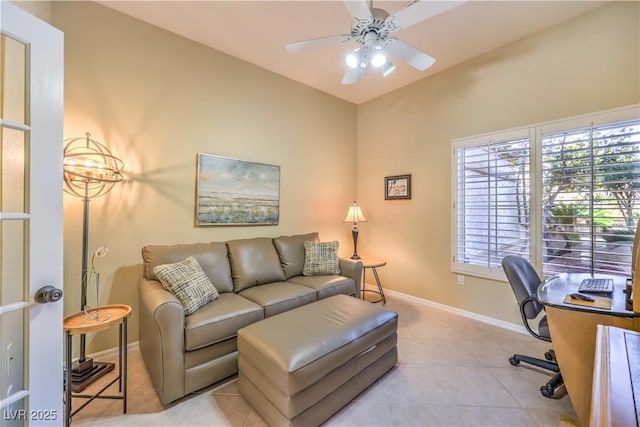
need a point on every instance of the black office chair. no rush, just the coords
(525, 281)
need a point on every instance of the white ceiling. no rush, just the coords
(257, 32)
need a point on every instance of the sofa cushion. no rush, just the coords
(291, 252)
(254, 262)
(327, 285)
(320, 258)
(212, 257)
(188, 283)
(219, 320)
(279, 296)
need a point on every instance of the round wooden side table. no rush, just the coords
(79, 323)
(372, 263)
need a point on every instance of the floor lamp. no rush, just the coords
(90, 171)
(355, 216)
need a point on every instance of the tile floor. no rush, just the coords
(452, 371)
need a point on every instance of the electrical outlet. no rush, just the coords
(460, 280)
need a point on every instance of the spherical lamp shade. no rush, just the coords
(90, 170)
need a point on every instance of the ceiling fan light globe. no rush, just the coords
(378, 60)
(352, 59)
(378, 57)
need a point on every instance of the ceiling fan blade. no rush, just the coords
(418, 11)
(352, 75)
(409, 54)
(319, 42)
(358, 9)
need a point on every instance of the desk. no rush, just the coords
(79, 323)
(573, 332)
(372, 263)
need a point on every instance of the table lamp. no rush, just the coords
(355, 215)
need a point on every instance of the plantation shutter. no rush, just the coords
(493, 201)
(590, 196)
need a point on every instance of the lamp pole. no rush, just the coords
(85, 256)
(354, 233)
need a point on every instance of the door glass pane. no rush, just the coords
(13, 56)
(13, 152)
(12, 267)
(12, 372)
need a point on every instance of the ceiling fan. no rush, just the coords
(372, 27)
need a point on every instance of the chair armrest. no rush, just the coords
(162, 339)
(529, 300)
(352, 268)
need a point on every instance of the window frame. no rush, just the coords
(477, 141)
(535, 133)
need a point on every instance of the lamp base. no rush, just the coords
(354, 234)
(79, 368)
(81, 380)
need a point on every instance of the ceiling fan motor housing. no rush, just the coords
(371, 26)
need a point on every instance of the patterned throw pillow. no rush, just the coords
(320, 258)
(187, 282)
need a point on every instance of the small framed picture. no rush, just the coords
(397, 187)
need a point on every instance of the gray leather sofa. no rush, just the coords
(255, 278)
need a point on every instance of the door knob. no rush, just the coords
(48, 294)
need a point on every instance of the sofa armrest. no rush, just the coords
(162, 339)
(352, 268)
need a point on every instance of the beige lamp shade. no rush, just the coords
(355, 214)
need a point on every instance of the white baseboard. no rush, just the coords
(469, 314)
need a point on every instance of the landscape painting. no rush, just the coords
(236, 192)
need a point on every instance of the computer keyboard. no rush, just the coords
(596, 286)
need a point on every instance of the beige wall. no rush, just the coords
(157, 100)
(585, 65)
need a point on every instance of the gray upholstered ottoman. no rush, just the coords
(300, 367)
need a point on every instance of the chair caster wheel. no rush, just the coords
(513, 361)
(546, 391)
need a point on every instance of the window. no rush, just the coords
(565, 195)
(591, 189)
(493, 206)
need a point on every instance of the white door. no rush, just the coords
(31, 222)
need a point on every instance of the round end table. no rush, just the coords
(372, 262)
